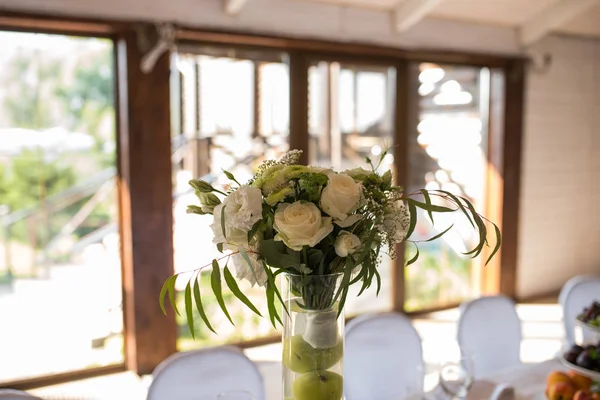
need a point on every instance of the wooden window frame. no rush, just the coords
(145, 170)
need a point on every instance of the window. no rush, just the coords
(351, 117)
(60, 268)
(232, 112)
(447, 150)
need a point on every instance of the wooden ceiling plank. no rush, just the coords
(552, 18)
(408, 13)
(233, 7)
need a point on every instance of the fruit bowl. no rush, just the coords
(580, 370)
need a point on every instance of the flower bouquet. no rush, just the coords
(324, 231)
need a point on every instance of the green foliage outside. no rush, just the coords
(43, 91)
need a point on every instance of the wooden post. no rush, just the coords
(146, 205)
(299, 105)
(404, 110)
(514, 104)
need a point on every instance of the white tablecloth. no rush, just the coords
(528, 380)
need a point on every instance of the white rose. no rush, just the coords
(396, 221)
(233, 237)
(340, 198)
(243, 208)
(300, 224)
(346, 243)
(253, 272)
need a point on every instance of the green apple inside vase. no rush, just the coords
(318, 385)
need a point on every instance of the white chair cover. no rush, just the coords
(489, 329)
(383, 358)
(579, 292)
(11, 394)
(203, 374)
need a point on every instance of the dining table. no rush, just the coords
(527, 380)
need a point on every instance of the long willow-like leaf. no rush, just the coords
(463, 205)
(198, 301)
(189, 311)
(215, 283)
(233, 286)
(168, 287)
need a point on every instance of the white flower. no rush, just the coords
(233, 237)
(243, 208)
(300, 224)
(253, 272)
(396, 221)
(346, 243)
(340, 198)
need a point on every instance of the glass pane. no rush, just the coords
(447, 151)
(233, 114)
(60, 269)
(350, 117)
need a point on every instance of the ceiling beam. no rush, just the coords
(233, 7)
(409, 12)
(552, 18)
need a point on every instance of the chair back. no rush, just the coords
(205, 373)
(383, 357)
(579, 292)
(12, 394)
(489, 330)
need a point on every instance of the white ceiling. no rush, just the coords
(508, 13)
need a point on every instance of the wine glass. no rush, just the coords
(456, 378)
(235, 395)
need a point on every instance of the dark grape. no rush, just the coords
(576, 349)
(571, 356)
(584, 360)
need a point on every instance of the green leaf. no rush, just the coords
(215, 283)
(249, 262)
(233, 286)
(459, 204)
(188, 308)
(378, 281)
(271, 278)
(199, 307)
(439, 235)
(480, 228)
(367, 246)
(415, 258)
(220, 247)
(428, 202)
(273, 316)
(192, 209)
(171, 290)
(498, 243)
(275, 254)
(412, 211)
(223, 222)
(367, 277)
(163, 292)
(254, 229)
(343, 289)
(429, 207)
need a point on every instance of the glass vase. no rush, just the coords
(313, 338)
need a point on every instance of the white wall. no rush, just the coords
(290, 18)
(559, 233)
